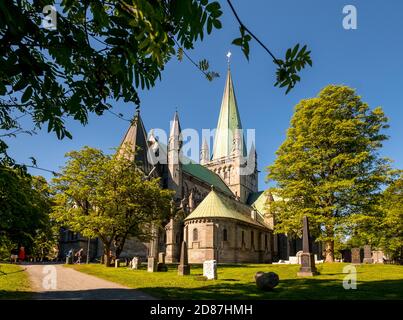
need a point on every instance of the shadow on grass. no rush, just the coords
(295, 289)
(2, 273)
(92, 294)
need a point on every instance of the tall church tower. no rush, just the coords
(229, 158)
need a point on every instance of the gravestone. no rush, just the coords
(184, 268)
(378, 256)
(355, 255)
(152, 262)
(293, 259)
(161, 262)
(210, 269)
(117, 263)
(345, 255)
(135, 263)
(299, 253)
(368, 254)
(308, 268)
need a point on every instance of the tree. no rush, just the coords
(24, 207)
(328, 168)
(390, 230)
(100, 50)
(108, 197)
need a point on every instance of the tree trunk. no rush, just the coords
(329, 251)
(120, 245)
(107, 256)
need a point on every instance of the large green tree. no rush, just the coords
(328, 168)
(390, 229)
(25, 204)
(108, 197)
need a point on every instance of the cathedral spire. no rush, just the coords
(175, 127)
(228, 123)
(174, 157)
(136, 140)
(205, 153)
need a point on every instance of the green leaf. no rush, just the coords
(27, 94)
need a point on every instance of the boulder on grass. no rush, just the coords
(266, 281)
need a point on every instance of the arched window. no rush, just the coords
(265, 241)
(225, 235)
(243, 237)
(195, 234)
(252, 238)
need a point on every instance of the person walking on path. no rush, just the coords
(21, 254)
(79, 255)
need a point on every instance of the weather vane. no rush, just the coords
(229, 57)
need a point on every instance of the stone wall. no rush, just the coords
(134, 248)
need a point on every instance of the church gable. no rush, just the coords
(136, 139)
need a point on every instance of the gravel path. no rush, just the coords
(53, 281)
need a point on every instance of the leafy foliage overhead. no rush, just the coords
(99, 50)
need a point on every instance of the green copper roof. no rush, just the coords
(228, 121)
(258, 200)
(204, 174)
(216, 205)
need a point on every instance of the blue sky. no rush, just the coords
(368, 59)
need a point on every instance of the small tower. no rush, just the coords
(174, 158)
(205, 153)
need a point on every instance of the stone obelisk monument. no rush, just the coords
(184, 268)
(308, 268)
(152, 260)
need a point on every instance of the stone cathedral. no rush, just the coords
(219, 211)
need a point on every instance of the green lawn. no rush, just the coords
(14, 282)
(237, 282)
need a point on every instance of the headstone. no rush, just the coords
(210, 269)
(117, 263)
(135, 263)
(308, 268)
(161, 257)
(355, 255)
(378, 256)
(184, 268)
(152, 264)
(345, 255)
(266, 281)
(293, 259)
(161, 262)
(368, 254)
(152, 261)
(299, 253)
